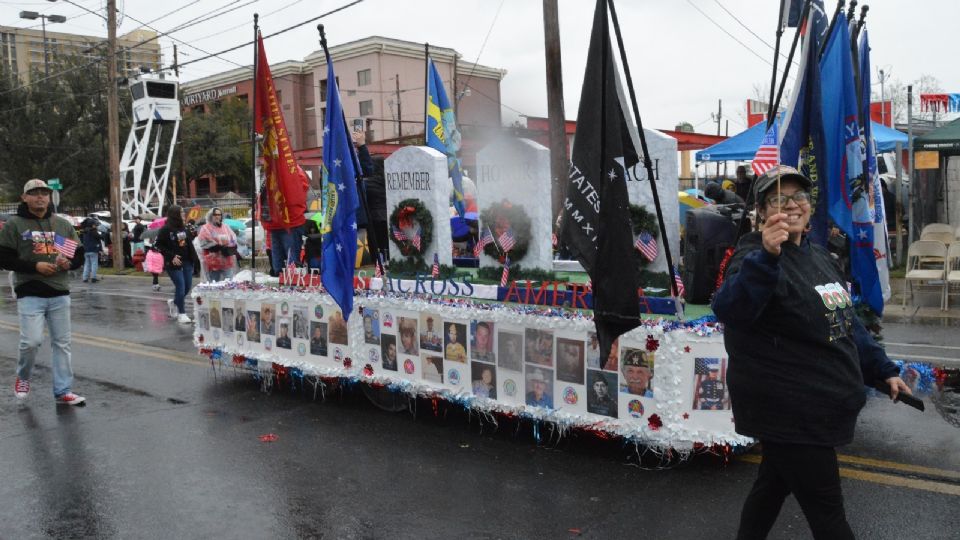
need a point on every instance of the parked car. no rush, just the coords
(887, 169)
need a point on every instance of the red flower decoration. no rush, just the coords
(686, 416)
(269, 437)
(368, 370)
(238, 359)
(347, 362)
(654, 422)
(686, 349)
(652, 344)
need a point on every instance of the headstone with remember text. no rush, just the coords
(513, 180)
(420, 172)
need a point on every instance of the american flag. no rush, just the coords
(506, 272)
(417, 239)
(646, 244)
(435, 271)
(678, 281)
(477, 249)
(768, 155)
(398, 234)
(485, 240)
(507, 240)
(66, 246)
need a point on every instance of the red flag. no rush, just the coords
(285, 184)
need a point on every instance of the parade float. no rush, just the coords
(523, 347)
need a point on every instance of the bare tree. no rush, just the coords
(897, 94)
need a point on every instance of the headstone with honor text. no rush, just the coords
(513, 187)
(420, 172)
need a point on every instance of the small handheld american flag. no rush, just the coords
(398, 235)
(506, 272)
(485, 240)
(66, 246)
(768, 155)
(435, 271)
(379, 270)
(678, 281)
(417, 239)
(646, 244)
(507, 240)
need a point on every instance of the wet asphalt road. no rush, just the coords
(168, 448)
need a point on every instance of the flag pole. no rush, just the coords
(426, 91)
(776, 58)
(833, 23)
(775, 104)
(253, 151)
(647, 163)
(361, 192)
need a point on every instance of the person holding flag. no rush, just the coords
(799, 358)
(40, 247)
(340, 170)
(283, 196)
(442, 133)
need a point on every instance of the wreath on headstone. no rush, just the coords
(500, 218)
(411, 227)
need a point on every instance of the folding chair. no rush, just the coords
(928, 252)
(935, 228)
(953, 273)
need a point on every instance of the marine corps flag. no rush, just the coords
(284, 191)
(596, 215)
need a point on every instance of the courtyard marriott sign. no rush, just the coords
(196, 98)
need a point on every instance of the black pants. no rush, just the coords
(809, 472)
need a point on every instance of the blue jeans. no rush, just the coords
(285, 242)
(182, 279)
(219, 275)
(91, 262)
(55, 311)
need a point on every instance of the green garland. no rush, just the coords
(516, 218)
(422, 217)
(643, 221)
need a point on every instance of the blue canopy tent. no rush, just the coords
(743, 146)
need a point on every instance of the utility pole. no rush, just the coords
(559, 164)
(183, 165)
(396, 78)
(913, 171)
(176, 64)
(113, 128)
(719, 121)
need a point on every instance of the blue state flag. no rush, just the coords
(442, 133)
(340, 168)
(847, 194)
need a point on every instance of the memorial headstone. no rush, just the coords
(514, 175)
(663, 154)
(420, 172)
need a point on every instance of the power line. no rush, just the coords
(482, 46)
(291, 4)
(718, 25)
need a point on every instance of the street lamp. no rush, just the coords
(33, 15)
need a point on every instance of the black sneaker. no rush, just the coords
(86, 281)
(94, 280)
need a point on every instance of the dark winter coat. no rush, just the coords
(799, 356)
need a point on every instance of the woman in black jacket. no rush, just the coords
(799, 360)
(175, 243)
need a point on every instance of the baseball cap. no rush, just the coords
(36, 183)
(784, 172)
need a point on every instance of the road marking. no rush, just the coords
(888, 479)
(894, 465)
(119, 345)
(950, 347)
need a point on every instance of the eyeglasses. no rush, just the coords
(37, 192)
(217, 215)
(779, 201)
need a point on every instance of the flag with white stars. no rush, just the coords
(596, 213)
(340, 170)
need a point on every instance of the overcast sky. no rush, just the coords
(680, 53)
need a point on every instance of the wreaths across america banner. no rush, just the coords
(560, 294)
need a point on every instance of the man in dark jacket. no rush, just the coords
(90, 237)
(40, 248)
(799, 359)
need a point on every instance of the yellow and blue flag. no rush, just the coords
(442, 133)
(340, 169)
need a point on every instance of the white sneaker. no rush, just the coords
(172, 308)
(183, 318)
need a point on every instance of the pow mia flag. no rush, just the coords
(596, 212)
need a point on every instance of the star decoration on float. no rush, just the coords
(686, 349)
(686, 416)
(612, 175)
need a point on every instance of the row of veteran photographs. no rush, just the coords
(490, 360)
